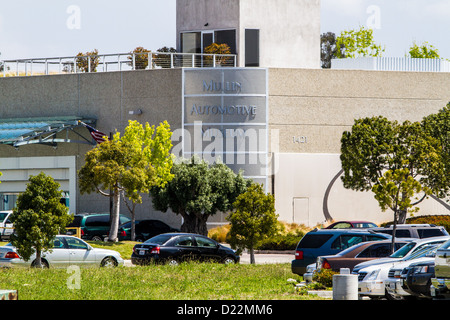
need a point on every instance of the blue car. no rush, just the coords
(328, 242)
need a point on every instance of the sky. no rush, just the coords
(55, 28)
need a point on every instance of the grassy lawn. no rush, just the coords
(188, 281)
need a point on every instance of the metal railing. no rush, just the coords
(392, 64)
(113, 62)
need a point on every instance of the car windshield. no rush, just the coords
(403, 251)
(3, 216)
(427, 251)
(160, 239)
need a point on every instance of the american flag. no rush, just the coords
(97, 135)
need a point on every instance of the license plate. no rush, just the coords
(392, 285)
(141, 252)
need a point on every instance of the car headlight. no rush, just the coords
(373, 275)
(420, 269)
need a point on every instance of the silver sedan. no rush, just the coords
(66, 251)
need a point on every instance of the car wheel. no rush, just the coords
(44, 264)
(229, 260)
(172, 262)
(108, 262)
(97, 238)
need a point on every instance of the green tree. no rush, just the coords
(425, 50)
(131, 164)
(328, 49)
(253, 220)
(394, 161)
(438, 126)
(198, 191)
(357, 43)
(38, 217)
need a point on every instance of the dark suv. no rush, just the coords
(95, 227)
(328, 242)
(420, 231)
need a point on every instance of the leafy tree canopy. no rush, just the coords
(198, 191)
(424, 50)
(357, 43)
(131, 164)
(38, 217)
(253, 220)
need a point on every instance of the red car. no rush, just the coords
(356, 254)
(351, 224)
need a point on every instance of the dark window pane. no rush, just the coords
(251, 47)
(314, 240)
(228, 37)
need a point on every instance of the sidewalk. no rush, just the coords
(260, 258)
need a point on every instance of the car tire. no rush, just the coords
(108, 262)
(172, 262)
(44, 264)
(229, 260)
(96, 238)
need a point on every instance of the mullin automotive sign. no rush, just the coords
(225, 117)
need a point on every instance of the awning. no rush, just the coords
(49, 131)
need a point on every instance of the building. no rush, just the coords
(277, 118)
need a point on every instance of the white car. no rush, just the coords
(67, 250)
(6, 227)
(404, 252)
(373, 280)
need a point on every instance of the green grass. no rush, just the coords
(188, 281)
(125, 248)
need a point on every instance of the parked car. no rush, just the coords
(67, 250)
(371, 274)
(352, 225)
(364, 251)
(146, 229)
(414, 230)
(96, 227)
(6, 227)
(328, 242)
(440, 287)
(417, 281)
(173, 248)
(408, 249)
(394, 283)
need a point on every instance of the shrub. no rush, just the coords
(325, 277)
(88, 61)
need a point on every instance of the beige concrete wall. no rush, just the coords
(309, 111)
(107, 97)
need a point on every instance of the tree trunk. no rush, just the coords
(133, 223)
(195, 223)
(252, 255)
(115, 216)
(38, 263)
(402, 216)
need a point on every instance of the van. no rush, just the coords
(96, 227)
(6, 226)
(328, 242)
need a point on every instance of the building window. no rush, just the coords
(191, 42)
(228, 37)
(196, 42)
(252, 47)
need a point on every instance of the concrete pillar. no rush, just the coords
(345, 286)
